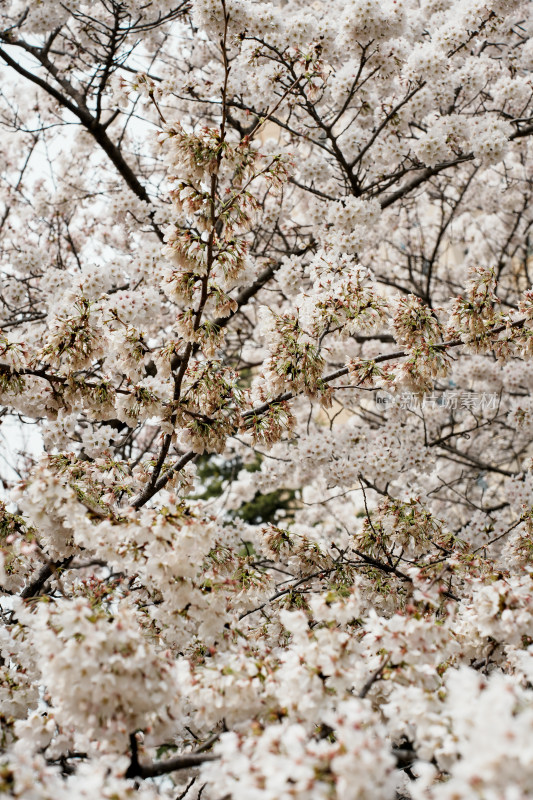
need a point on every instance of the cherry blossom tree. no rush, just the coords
(266, 323)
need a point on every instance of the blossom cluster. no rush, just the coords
(228, 568)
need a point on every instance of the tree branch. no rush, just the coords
(187, 761)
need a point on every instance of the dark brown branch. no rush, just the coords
(373, 678)
(94, 127)
(153, 489)
(34, 588)
(289, 589)
(422, 177)
(187, 761)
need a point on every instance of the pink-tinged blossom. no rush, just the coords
(266, 327)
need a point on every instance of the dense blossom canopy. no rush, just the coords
(266, 327)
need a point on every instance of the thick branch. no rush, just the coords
(36, 585)
(188, 761)
(94, 127)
